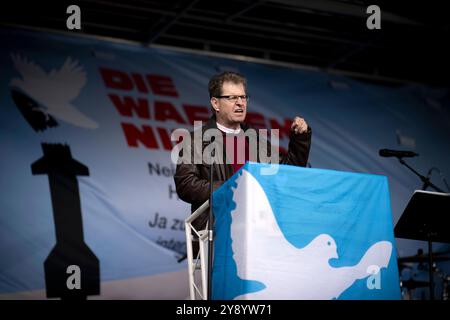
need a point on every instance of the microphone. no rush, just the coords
(397, 153)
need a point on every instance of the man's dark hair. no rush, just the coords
(216, 82)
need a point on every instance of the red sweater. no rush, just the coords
(233, 143)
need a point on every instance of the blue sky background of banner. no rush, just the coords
(120, 197)
(353, 208)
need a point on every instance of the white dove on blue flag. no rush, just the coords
(262, 253)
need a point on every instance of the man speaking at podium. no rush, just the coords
(229, 102)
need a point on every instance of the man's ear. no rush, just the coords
(215, 103)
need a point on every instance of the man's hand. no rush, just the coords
(299, 125)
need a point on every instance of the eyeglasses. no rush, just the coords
(234, 99)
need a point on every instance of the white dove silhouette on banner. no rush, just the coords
(263, 254)
(54, 90)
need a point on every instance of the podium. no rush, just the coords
(297, 233)
(426, 218)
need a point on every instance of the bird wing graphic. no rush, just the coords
(263, 237)
(378, 255)
(55, 90)
(72, 76)
(30, 71)
(375, 258)
(72, 115)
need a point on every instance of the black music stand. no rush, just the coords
(426, 218)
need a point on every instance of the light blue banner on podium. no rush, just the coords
(304, 234)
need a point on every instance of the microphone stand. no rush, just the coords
(425, 180)
(426, 184)
(210, 225)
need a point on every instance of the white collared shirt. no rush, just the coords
(228, 130)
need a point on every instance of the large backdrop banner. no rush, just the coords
(85, 130)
